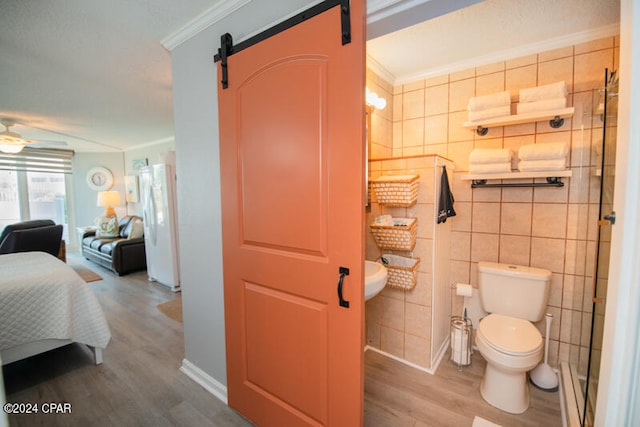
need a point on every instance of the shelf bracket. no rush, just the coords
(481, 131)
(552, 181)
(556, 122)
(476, 183)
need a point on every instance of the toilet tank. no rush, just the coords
(514, 290)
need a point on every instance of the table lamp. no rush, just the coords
(108, 199)
(108, 223)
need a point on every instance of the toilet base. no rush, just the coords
(507, 391)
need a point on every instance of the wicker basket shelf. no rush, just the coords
(402, 272)
(398, 190)
(401, 236)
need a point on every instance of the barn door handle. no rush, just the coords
(343, 272)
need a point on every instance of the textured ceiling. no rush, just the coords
(93, 73)
(484, 31)
(90, 70)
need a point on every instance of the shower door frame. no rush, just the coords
(578, 399)
(609, 141)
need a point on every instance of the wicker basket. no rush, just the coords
(402, 272)
(399, 190)
(401, 236)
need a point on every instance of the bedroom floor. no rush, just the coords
(139, 383)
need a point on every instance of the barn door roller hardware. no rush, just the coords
(226, 47)
(226, 41)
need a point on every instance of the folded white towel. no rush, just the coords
(538, 93)
(550, 151)
(490, 113)
(490, 155)
(542, 165)
(489, 167)
(486, 102)
(542, 105)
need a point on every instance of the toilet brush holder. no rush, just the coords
(543, 376)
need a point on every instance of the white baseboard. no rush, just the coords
(209, 383)
(398, 359)
(440, 355)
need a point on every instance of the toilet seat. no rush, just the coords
(509, 335)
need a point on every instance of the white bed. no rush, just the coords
(44, 304)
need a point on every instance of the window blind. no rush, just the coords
(38, 160)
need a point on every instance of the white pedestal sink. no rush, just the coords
(375, 277)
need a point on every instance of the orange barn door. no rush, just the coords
(292, 157)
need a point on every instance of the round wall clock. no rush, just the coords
(99, 178)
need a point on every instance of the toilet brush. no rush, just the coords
(543, 376)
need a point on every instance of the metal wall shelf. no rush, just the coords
(555, 117)
(553, 179)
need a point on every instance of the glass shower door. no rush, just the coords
(606, 220)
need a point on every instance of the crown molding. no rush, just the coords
(381, 9)
(379, 69)
(529, 49)
(149, 144)
(216, 13)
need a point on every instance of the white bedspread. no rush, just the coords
(41, 297)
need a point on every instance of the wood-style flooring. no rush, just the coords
(399, 395)
(139, 383)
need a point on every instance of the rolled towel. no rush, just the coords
(542, 165)
(538, 93)
(486, 102)
(503, 111)
(489, 168)
(543, 105)
(384, 220)
(551, 151)
(490, 155)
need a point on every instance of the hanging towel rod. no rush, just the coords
(552, 181)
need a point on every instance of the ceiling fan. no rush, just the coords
(12, 143)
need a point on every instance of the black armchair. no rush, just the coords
(37, 235)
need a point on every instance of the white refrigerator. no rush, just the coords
(159, 212)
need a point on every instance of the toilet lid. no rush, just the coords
(509, 334)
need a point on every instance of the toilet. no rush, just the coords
(514, 296)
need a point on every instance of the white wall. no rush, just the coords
(85, 198)
(197, 154)
(119, 164)
(153, 154)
